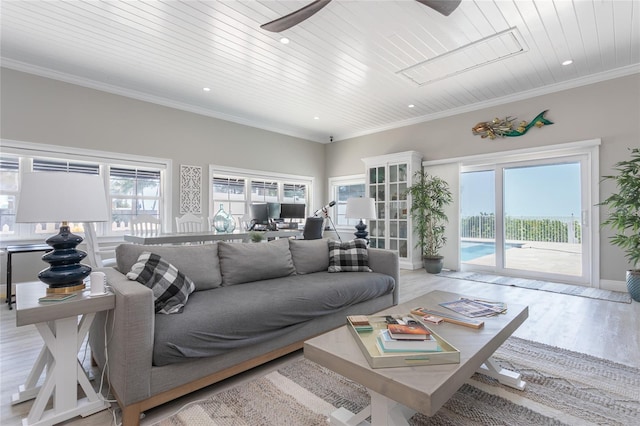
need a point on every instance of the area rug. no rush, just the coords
(563, 388)
(574, 290)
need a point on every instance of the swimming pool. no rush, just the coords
(470, 250)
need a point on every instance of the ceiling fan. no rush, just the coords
(444, 7)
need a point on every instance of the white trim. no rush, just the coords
(309, 135)
(397, 157)
(157, 100)
(590, 173)
(33, 149)
(522, 154)
(359, 179)
(613, 285)
(528, 94)
(258, 174)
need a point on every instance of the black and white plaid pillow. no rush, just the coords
(351, 256)
(171, 288)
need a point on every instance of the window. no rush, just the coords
(230, 194)
(135, 185)
(133, 192)
(9, 175)
(237, 189)
(343, 188)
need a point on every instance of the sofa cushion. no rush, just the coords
(246, 262)
(309, 256)
(198, 262)
(216, 322)
(350, 256)
(171, 288)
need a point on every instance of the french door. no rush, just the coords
(527, 219)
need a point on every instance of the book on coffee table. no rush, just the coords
(389, 344)
(377, 357)
(414, 331)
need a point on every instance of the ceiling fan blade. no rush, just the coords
(294, 18)
(445, 7)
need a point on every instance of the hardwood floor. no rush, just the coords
(600, 328)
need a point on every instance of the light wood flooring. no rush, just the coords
(600, 328)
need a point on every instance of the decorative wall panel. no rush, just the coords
(190, 189)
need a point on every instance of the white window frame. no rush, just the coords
(28, 150)
(249, 175)
(334, 183)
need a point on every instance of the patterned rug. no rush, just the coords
(563, 388)
(574, 290)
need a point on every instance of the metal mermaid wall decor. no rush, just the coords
(504, 127)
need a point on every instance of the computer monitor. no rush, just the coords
(260, 213)
(274, 210)
(292, 211)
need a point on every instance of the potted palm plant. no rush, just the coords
(624, 216)
(429, 196)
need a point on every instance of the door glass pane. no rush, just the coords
(542, 208)
(393, 173)
(477, 218)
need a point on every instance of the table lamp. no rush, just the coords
(62, 197)
(361, 208)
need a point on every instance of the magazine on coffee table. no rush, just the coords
(473, 309)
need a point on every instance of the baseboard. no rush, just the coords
(613, 285)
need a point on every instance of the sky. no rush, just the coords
(548, 190)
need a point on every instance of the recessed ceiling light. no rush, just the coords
(411, 106)
(206, 89)
(284, 40)
(567, 62)
(316, 118)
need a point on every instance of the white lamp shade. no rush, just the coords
(61, 197)
(361, 208)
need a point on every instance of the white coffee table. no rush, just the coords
(398, 392)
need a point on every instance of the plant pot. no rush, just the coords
(633, 284)
(433, 265)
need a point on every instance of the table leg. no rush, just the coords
(63, 339)
(504, 376)
(9, 290)
(383, 411)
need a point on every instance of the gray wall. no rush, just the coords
(46, 111)
(41, 110)
(608, 110)
(35, 109)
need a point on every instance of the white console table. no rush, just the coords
(63, 334)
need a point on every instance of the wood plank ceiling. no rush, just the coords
(352, 69)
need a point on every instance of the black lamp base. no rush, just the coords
(362, 233)
(66, 273)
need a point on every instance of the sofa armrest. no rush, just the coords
(129, 332)
(386, 262)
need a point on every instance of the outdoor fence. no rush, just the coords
(555, 229)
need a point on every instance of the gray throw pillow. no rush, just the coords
(246, 262)
(309, 256)
(198, 262)
(350, 256)
(171, 288)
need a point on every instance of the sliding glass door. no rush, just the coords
(526, 219)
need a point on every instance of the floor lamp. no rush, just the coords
(361, 208)
(61, 197)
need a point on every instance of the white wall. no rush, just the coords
(608, 110)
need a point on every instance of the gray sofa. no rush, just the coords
(252, 303)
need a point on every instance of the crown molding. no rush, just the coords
(314, 137)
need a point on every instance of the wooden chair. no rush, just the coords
(98, 256)
(146, 224)
(190, 223)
